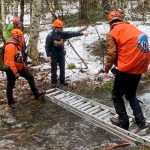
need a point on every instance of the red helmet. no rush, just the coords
(58, 23)
(114, 15)
(16, 21)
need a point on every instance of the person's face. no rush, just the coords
(58, 29)
(19, 25)
(18, 38)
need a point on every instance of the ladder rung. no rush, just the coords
(102, 112)
(78, 104)
(53, 93)
(48, 91)
(91, 109)
(65, 99)
(94, 111)
(77, 101)
(83, 105)
(86, 107)
(104, 115)
(73, 100)
(60, 96)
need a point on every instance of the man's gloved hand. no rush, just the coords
(114, 70)
(85, 33)
(17, 75)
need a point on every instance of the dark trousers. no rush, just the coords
(11, 83)
(126, 84)
(61, 62)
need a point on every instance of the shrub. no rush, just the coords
(71, 66)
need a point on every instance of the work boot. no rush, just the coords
(140, 121)
(38, 94)
(64, 83)
(142, 124)
(120, 123)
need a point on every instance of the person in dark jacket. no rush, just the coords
(54, 47)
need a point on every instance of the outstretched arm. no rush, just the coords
(70, 34)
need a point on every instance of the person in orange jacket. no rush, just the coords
(13, 58)
(128, 50)
(17, 24)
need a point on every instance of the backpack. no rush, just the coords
(4, 67)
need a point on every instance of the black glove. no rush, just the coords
(114, 70)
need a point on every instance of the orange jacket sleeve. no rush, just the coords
(9, 56)
(111, 57)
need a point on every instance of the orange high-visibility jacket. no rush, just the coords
(124, 46)
(9, 57)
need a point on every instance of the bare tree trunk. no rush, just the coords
(83, 11)
(3, 14)
(15, 8)
(34, 31)
(51, 10)
(105, 6)
(22, 11)
(56, 4)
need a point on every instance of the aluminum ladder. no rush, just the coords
(97, 114)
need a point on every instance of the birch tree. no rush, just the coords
(34, 31)
(3, 14)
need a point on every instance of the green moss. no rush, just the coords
(71, 66)
(108, 85)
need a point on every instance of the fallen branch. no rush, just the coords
(78, 54)
(45, 75)
(113, 146)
